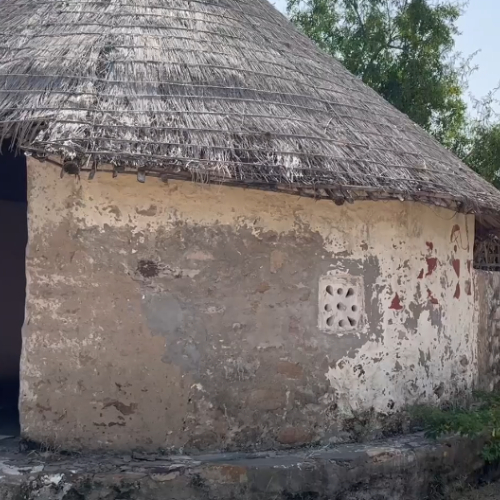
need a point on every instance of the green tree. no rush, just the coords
(401, 48)
(481, 147)
(484, 152)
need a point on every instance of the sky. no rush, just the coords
(480, 31)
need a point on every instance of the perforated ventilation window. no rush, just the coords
(486, 250)
(341, 305)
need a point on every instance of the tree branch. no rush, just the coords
(354, 5)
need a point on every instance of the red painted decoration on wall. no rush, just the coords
(396, 303)
(431, 265)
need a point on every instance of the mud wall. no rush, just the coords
(488, 304)
(189, 316)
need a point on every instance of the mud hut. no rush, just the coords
(233, 243)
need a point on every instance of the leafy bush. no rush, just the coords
(481, 418)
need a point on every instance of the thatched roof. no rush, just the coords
(213, 90)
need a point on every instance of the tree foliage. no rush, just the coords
(404, 49)
(483, 154)
(481, 150)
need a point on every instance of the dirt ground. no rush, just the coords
(490, 492)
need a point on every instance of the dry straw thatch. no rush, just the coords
(213, 90)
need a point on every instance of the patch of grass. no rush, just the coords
(480, 418)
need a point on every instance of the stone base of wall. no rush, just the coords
(407, 468)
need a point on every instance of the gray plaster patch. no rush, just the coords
(163, 313)
(416, 309)
(166, 316)
(373, 291)
(424, 360)
(411, 322)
